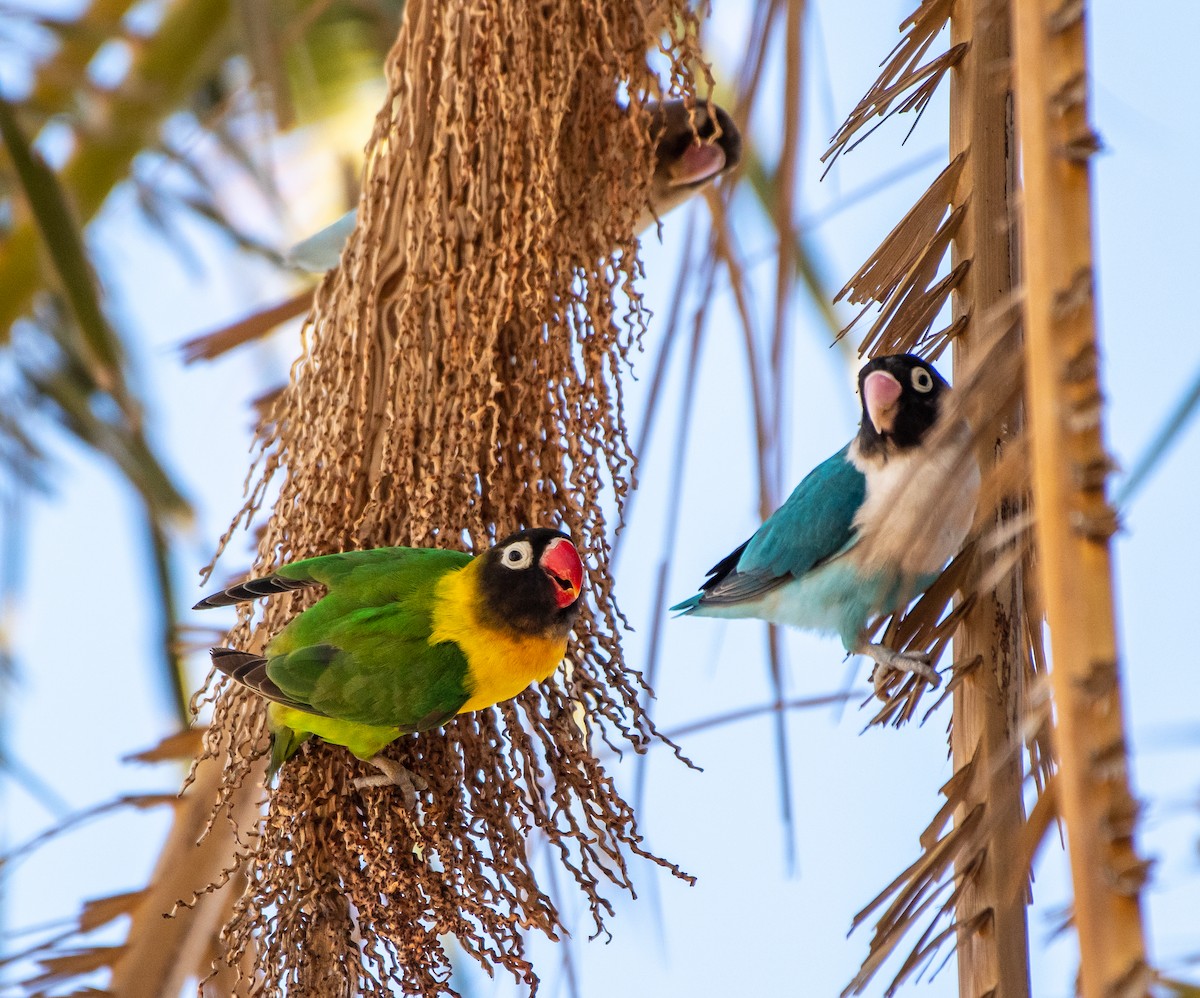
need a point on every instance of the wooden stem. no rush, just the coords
(162, 953)
(993, 939)
(1074, 519)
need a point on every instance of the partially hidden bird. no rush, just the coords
(869, 529)
(404, 639)
(692, 148)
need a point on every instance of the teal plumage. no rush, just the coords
(815, 522)
(868, 529)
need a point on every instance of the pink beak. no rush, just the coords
(881, 393)
(697, 164)
(561, 562)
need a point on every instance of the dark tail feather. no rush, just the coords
(253, 589)
(251, 671)
(721, 570)
(726, 566)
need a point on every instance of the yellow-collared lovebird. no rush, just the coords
(405, 638)
(867, 530)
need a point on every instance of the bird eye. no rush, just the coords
(519, 554)
(922, 380)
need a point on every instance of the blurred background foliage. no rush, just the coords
(170, 98)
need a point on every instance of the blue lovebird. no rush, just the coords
(689, 155)
(867, 530)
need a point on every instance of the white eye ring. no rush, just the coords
(922, 380)
(518, 555)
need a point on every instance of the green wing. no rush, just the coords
(362, 653)
(379, 574)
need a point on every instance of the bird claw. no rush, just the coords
(392, 774)
(888, 661)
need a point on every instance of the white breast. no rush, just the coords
(919, 505)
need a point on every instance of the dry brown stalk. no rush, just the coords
(998, 681)
(1075, 521)
(171, 925)
(966, 210)
(462, 377)
(989, 707)
(210, 345)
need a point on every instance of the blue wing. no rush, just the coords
(814, 524)
(321, 252)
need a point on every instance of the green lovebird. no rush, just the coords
(406, 638)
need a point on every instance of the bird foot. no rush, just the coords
(887, 661)
(391, 773)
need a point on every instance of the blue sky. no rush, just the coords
(83, 632)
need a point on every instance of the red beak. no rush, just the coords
(561, 562)
(880, 394)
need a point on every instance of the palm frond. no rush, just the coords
(168, 64)
(97, 352)
(174, 918)
(901, 275)
(998, 685)
(906, 83)
(908, 279)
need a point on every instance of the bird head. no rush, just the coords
(692, 146)
(901, 398)
(532, 580)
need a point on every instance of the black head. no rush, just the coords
(531, 581)
(901, 398)
(687, 144)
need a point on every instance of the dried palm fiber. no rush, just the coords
(953, 894)
(462, 378)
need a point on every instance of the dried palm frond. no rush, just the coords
(905, 78)
(998, 684)
(463, 377)
(965, 209)
(171, 925)
(901, 275)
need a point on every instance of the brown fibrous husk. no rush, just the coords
(461, 378)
